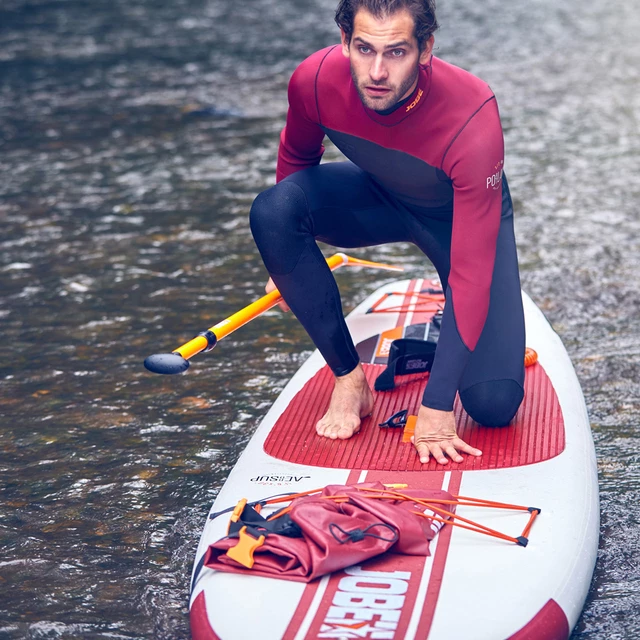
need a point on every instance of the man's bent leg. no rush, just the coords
(336, 204)
(492, 386)
(283, 230)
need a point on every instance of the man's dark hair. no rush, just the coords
(422, 11)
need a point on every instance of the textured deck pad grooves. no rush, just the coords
(535, 434)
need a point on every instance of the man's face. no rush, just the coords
(384, 57)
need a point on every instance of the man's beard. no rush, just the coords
(389, 101)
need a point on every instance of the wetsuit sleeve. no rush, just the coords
(474, 163)
(301, 139)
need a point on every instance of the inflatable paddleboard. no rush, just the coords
(470, 586)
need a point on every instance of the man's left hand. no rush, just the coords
(435, 435)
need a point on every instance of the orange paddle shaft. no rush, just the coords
(208, 339)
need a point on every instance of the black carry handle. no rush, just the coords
(406, 355)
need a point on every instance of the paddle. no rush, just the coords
(178, 360)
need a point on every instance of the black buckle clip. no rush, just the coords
(397, 420)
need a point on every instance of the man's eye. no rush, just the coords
(397, 53)
(364, 50)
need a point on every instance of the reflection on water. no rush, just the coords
(133, 137)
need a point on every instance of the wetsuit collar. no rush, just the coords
(408, 106)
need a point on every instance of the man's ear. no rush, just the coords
(425, 54)
(345, 43)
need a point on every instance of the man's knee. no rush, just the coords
(279, 221)
(279, 209)
(492, 403)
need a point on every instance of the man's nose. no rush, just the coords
(378, 70)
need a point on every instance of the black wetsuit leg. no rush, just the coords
(339, 204)
(335, 203)
(492, 386)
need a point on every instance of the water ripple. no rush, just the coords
(133, 138)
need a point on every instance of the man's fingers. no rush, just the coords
(450, 450)
(436, 452)
(423, 452)
(271, 287)
(461, 445)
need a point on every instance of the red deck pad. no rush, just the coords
(535, 434)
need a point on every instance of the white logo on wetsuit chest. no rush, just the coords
(495, 179)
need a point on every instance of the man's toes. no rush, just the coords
(335, 431)
(345, 432)
(327, 430)
(321, 427)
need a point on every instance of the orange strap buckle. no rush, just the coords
(243, 551)
(409, 428)
(237, 512)
(239, 508)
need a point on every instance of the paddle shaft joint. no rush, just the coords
(210, 338)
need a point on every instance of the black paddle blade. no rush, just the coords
(166, 363)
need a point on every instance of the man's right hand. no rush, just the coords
(435, 436)
(269, 288)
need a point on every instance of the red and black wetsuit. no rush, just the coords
(430, 172)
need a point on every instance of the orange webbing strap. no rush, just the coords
(458, 501)
(426, 302)
(534, 514)
(453, 523)
(451, 518)
(448, 517)
(290, 496)
(287, 509)
(445, 516)
(391, 493)
(279, 513)
(478, 502)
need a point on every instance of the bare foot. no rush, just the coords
(351, 401)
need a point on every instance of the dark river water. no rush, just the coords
(134, 135)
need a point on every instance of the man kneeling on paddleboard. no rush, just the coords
(426, 154)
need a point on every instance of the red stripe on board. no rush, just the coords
(199, 621)
(550, 623)
(535, 434)
(310, 588)
(387, 563)
(301, 612)
(437, 571)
